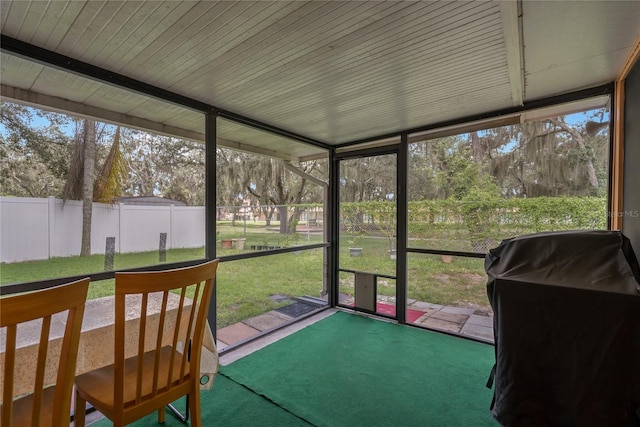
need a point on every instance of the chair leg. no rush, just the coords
(80, 411)
(161, 415)
(179, 415)
(194, 406)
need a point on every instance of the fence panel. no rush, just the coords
(105, 222)
(36, 228)
(187, 227)
(24, 229)
(65, 224)
(141, 226)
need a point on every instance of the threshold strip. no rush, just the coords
(267, 398)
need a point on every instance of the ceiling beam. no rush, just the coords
(511, 12)
(65, 106)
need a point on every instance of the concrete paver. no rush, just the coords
(268, 320)
(458, 310)
(460, 319)
(477, 331)
(475, 319)
(236, 332)
(446, 325)
(425, 306)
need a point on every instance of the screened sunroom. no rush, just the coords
(359, 157)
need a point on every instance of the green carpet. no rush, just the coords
(350, 370)
(226, 404)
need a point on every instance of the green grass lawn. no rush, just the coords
(244, 287)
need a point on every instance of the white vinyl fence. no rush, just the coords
(32, 229)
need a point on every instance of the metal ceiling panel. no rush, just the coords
(331, 71)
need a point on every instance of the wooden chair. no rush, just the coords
(161, 369)
(45, 404)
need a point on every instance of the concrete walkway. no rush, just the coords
(477, 324)
(470, 322)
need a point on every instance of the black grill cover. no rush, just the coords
(567, 330)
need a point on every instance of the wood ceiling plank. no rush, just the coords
(18, 72)
(60, 23)
(151, 37)
(115, 29)
(372, 40)
(334, 46)
(361, 73)
(436, 72)
(235, 22)
(54, 82)
(35, 23)
(106, 22)
(320, 29)
(13, 16)
(214, 33)
(377, 109)
(259, 41)
(139, 32)
(84, 26)
(317, 39)
(179, 36)
(426, 90)
(354, 63)
(230, 31)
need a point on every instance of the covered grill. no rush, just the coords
(567, 330)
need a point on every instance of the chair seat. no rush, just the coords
(97, 386)
(22, 409)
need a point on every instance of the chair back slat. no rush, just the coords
(44, 401)
(142, 331)
(119, 335)
(43, 350)
(183, 365)
(175, 339)
(9, 366)
(159, 340)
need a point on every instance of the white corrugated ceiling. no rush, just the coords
(332, 71)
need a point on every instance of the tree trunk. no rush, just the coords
(476, 148)
(283, 214)
(87, 184)
(295, 217)
(294, 220)
(268, 213)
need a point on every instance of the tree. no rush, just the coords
(88, 177)
(269, 183)
(164, 166)
(110, 180)
(80, 180)
(548, 158)
(34, 151)
(368, 178)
